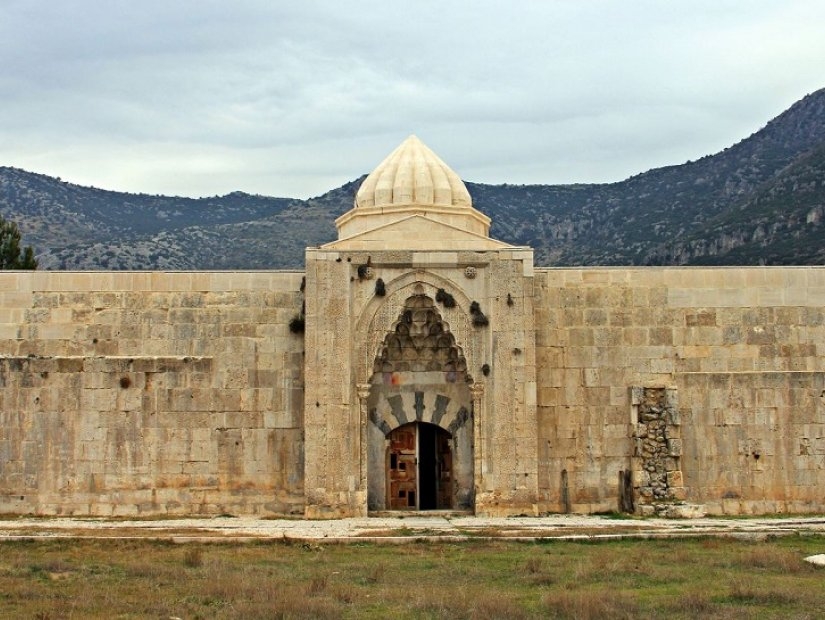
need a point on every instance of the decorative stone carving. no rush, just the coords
(470, 272)
(421, 342)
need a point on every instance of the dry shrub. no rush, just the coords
(57, 566)
(431, 606)
(694, 605)
(582, 571)
(746, 593)
(317, 585)
(533, 566)
(773, 558)
(438, 604)
(249, 597)
(492, 606)
(288, 603)
(374, 573)
(479, 606)
(156, 572)
(591, 570)
(224, 586)
(542, 579)
(590, 605)
(345, 593)
(193, 557)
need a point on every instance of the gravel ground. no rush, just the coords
(404, 528)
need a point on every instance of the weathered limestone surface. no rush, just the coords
(428, 348)
(741, 347)
(413, 182)
(348, 326)
(414, 266)
(150, 393)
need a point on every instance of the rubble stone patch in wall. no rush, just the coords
(657, 445)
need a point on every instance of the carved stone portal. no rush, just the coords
(420, 395)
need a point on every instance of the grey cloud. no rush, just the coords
(201, 97)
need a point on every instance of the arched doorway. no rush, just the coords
(420, 430)
(419, 468)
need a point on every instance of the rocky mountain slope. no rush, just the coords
(761, 201)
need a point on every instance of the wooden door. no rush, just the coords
(401, 469)
(419, 468)
(444, 471)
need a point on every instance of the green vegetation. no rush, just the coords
(759, 201)
(708, 578)
(11, 255)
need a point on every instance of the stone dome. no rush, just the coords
(412, 175)
(412, 200)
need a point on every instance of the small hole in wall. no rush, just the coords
(125, 382)
(317, 404)
(94, 340)
(485, 370)
(516, 351)
(756, 456)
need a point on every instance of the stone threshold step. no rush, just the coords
(400, 514)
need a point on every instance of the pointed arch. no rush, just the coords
(420, 340)
(418, 357)
(381, 314)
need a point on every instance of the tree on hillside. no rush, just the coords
(11, 256)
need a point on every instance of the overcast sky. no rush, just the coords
(293, 98)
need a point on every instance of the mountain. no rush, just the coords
(780, 223)
(760, 201)
(675, 214)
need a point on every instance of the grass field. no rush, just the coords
(691, 578)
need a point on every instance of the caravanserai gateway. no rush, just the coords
(416, 364)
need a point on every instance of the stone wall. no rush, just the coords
(348, 322)
(150, 393)
(183, 393)
(741, 351)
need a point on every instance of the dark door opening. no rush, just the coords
(419, 468)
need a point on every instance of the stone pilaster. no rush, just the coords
(477, 393)
(363, 391)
